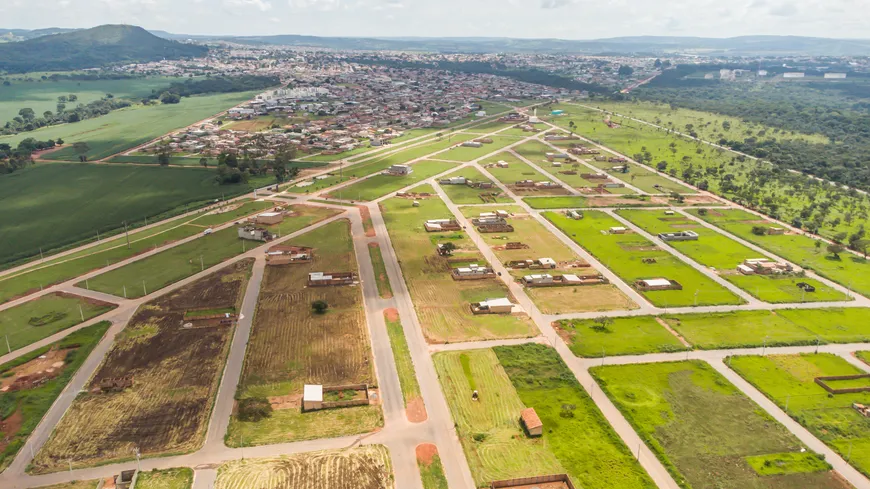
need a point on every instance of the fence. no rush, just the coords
(527, 481)
(823, 382)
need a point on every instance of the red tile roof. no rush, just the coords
(531, 419)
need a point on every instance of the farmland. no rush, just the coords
(637, 335)
(42, 317)
(704, 430)
(442, 304)
(291, 345)
(788, 381)
(167, 267)
(167, 407)
(54, 205)
(381, 185)
(463, 194)
(723, 254)
(165, 479)
(580, 442)
(848, 270)
(123, 129)
(23, 409)
(366, 467)
(405, 367)
(633, 257)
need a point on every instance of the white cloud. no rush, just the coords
(263, 5)
(322, 5)
(550, 4)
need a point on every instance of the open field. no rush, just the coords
(53, 205)
(366, 467)
(42, 317)
(788, 381)
(555, 202)
(617, 336)
(464, 154)
(167, 267)
(381, 185)
(722, 254)
(23, 408)
(536, 152)
(123, 129)
(383, 282)
(165, 479)
(463, 194)
(848, 270)
(416, 411)
(167, 407)
(443, 304)
(625, 255)
(291, 345)
(704, 430)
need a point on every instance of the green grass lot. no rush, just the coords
(643, 178)
(41, 95)
(42, 317)
(432, 474)
(443, 304)
(380, 185)
(34, 403)
(780, 328)
(555, 202)
(703, 429)
(623, 253)
(789, 380)
(493, 439)
(55, 205)
(404, 364)
(124, 129)
(723, 254)
(170, 266)
(142, 159)
(516, 171)
(463, 194)
(246, 209)
(618, 336)
(384, 288)
(848, 270)
(536, 152)
(166, 479)
(468, 154)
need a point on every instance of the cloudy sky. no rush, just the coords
(566, 19)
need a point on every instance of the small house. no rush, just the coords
(325, 279)
(472, 144)
(775, 230)
(440, 225)
(493, 306)
(312, 397)
(399, 170)
(284, 255)
(254, 233)
(502, 164)
(574, 214)
(618, 230)
(268, 218)
(531, 422)
(679, 236)
(453, 181)
(652, 284)
(472, 272)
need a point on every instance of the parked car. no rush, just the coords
(806, 287)
(208, 231)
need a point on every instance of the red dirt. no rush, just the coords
(367, 221)
(416, 410)
(37, 369)
(426, 453)
(391, 314)
(9, 427)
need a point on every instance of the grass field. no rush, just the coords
(723, 254)
(383, 282)
(167, 408)
(291, 345)
(624, 254)
(555, 202)
(516, 170)
(404, 363)
(53, 205)
(167, 267)
(617, 336)
(42, 317)
(381, 185)
(464, 154)
(442, 304)
(848, 270)
(165, 479)
(463, 194)
(788, 381)
(536, 152)
(22, 410)
(123, 129)
(703, 429)
(366, 467)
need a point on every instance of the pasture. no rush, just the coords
(637, 335)
(375, 187)
(722, 254)
(166, 409)
(704, 430)
(291, 345)
(366, 467)
(42, 317)
(463, 194)
(632, 258)
(443, 304)
(788, 381)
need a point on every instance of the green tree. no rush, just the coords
(81, 148)
(319, 306)
(169, 98)
(27, 114)
(835, 249)
(203, 162)
(254, 409)
(72, 97)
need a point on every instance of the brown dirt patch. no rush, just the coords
(700, 199)
(9, 427)
(47, 366)
(366, 216)
(88, 300)
(416, 410)
(426, 453)
(391, 314)
(290, 401)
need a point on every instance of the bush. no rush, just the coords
(759, 230)
(319, 307)
(254, 409)
(479, 437)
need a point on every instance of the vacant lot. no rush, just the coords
(555, 202)
(593, 338)
(365, 467)
(463, 194)
(536, 152)
(381, 185)
(167, 267)
(25, 402)
(788, 380)
(291, 345)
(632, 257)
(167, 407)
(166, 479)
(442, 304)
(462, 153)
(705, 431)
(723, 254)
(37, 319)
(51, 206)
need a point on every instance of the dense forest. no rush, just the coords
(245, 83)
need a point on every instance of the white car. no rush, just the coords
(208, 231)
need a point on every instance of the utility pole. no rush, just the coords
(201, 264)
(127, 235)
(125, 291)
(82, 313)
(143, 288)
(41, 256)
(9, 348)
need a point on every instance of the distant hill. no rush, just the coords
(91, 48)
(15, 35)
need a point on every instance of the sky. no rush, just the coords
(564, 19)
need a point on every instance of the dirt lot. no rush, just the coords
(44, 367)
(175, 374)
(532, 191)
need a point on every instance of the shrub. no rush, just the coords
(254, 409)
(759, 230)
(319, 306)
